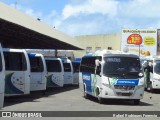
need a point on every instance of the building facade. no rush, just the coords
(92, 43)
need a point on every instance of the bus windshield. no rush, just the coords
(157, 66)
(122, 67)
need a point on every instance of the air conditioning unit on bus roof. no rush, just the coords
(112, 52)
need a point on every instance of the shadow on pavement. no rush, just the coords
(8, 101)
(118, 102)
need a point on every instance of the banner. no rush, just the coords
(118, 114)
(142, 42)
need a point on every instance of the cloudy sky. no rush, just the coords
(87, 17)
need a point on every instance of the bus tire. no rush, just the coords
(85, 93)
(150, 88)
(136, 102)
(44, 92)
(100, 100)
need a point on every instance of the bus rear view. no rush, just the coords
(115, 76)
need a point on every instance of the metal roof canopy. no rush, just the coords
(20, 31)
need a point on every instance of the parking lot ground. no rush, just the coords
(70, 98)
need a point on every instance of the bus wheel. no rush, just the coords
(136, 102)
(43, 92)
(100, 100)
(85, 94)
(150, 88)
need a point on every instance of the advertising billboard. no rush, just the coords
(142, 42)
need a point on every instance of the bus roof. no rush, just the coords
(110, 53)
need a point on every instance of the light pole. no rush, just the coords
(139, 42)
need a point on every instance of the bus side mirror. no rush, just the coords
(150, 64)
(97, 62)
(144, 64)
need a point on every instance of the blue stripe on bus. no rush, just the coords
(133, 82)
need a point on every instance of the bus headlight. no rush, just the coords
(105, 84)
(157, 79)
(140, 86)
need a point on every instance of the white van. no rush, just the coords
(2, 77)
(68, 71)
(17, 78)
(107, 75)
(76, 65)
(55, 72)
(38, 72)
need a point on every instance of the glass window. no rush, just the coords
(53, 66)
(98, 48)
(157, 66)
(88, 64)
(67, 67)
(121, 66)
(15, 61)
(36, 64)
(76, 66)
(88, 50)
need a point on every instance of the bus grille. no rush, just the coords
(122, 87)
(123, 94)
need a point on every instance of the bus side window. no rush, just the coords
(98, 70)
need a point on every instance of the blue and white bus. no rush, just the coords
(17, 72)
(76, 64)
(2, 77)
(108, 74)
(38, 72)
(55, 72)
(68, 71)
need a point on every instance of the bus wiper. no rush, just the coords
(121, 75)
(134, 74)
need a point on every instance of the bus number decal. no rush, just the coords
(113, 60)
(86, 77)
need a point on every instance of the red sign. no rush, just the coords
(134, 39)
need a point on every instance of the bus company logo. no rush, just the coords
(113, 81)
(6, 114)
(86, 77)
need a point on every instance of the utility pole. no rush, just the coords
(15, 3)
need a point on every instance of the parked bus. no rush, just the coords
(38, 72)
(76, 64)
(2, 77)
(151, 72)
(108, 74)
(55, 72)
(68, 71)
(17, 78)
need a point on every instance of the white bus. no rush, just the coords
(68, 71)
(17, 78)
(76, 64)
(38, 72)
(2, 77)
(108, 74)
(55, 72)
(151, 72)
